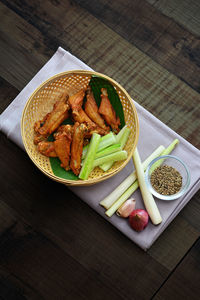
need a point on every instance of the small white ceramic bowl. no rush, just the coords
(176, 163)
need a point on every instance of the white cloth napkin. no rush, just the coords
(152, 134)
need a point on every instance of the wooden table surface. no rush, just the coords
(52, 245)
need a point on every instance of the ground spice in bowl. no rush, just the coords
(166, 180)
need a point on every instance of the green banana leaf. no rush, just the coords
(96, 84)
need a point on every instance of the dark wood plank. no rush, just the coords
(14, 288)
(65, 220)
(47, 233)
(192, 210)
(139, 81)
(137, 21)
(17, 42)
(187, 14)
(35, 267)
(151, 85)
(56, 220)
(180, 236)
(158, 36)
(184, 282)
(7, 94)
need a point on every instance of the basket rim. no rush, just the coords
(89, 181)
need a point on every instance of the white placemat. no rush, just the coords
(152, 134)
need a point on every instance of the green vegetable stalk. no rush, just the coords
(90, 156)
(105, 141)
(116, 156)
(124, 185)
(108, 150)
(121, 138)
(112, 204)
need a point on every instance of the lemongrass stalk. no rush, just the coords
(114, 207)
(171, 147)
(89, 159)
(120, 155)
(105, 141)
(121, 138)
(167, 151)
(122, 199)
(111, 198)
(148, 199)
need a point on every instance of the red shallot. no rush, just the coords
(138, 219)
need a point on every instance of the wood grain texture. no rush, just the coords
(55, 220)
(60, 217)
(53, 246)
(16, 39)
(33, 259)
(156, 35)
(186, 12)
(192, 210)
(184, 282)
(7, 94)
(180, 236)
(155, 88)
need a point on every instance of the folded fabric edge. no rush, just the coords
(165, 127)
(191, 193)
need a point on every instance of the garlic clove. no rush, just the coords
(126, 208)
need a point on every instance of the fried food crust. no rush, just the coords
(107, 111)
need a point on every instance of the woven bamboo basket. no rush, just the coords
(41, 102)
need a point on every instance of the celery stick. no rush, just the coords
(108, 150)
(85, 149)
(105, 167)
(120, 155)
(105, 141)
(124, 137)
(132, 188)
(88, 162)
(111, 198)
(121, 138)
(120, 134)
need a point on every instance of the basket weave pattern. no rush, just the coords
(41, 102)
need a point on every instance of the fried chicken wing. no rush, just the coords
(108, 112)
(76, 100)
(64, 128)
(69, 139)
(91, 110)
(47, 148)
(53, 119)
(77, 147)
(39, 138)
(96, 129)
(78, 114)
(62, 145)
(81, 117)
